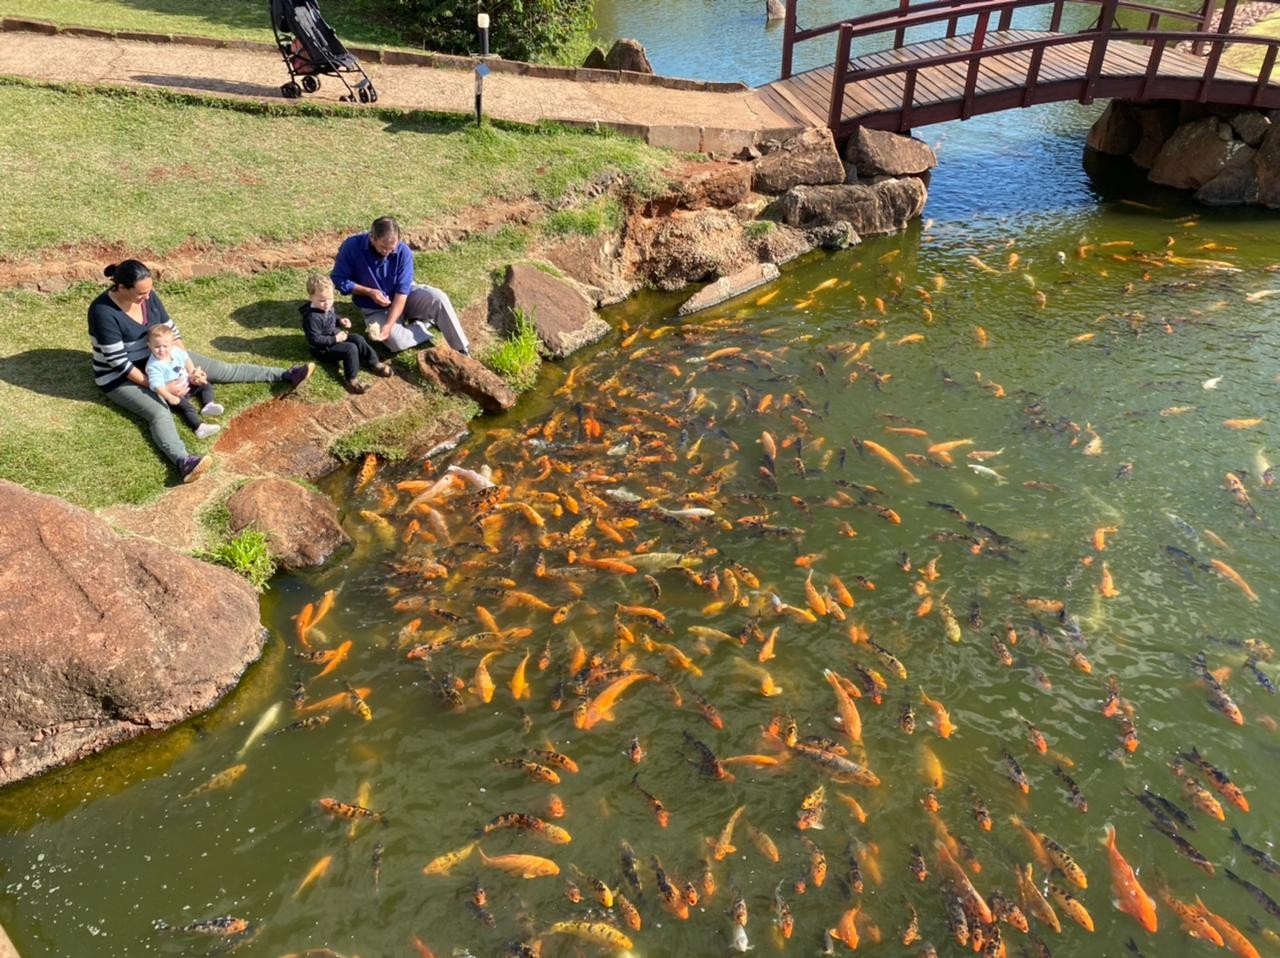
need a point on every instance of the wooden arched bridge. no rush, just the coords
(992, 66)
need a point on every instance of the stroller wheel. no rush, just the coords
(310, 84)
(291, 90)
(363, 93)
(373, 95)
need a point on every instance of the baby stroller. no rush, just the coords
(310, 48)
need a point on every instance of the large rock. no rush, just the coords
(628, 55)
(809, 158)
(1156, 124)
(1250, 126)
(452, 371)
(104, 637)
(727, 287)
(880, 153)
(685, 247)
(699, 185)
(301, 526)
(883, 207)
(1267, 163)
(1236, 185)
(1194, 155)
(775, 10)
(1117, 131)
(595, 60)
(563, 317)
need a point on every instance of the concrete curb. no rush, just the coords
(390, 57)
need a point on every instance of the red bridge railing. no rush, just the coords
(907, 15)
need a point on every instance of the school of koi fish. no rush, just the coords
(592, 569)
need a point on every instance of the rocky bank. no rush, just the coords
(1229, 156)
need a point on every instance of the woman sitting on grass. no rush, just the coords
(119, 321)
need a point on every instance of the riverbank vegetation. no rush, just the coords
(146, 174)
(551, 31)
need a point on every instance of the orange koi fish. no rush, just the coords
(1107, 587)
(1231, 575)
(891, 459)
(850, 720)
(600, 709)
(522, 866)
(519, 684)
(335, 660)
(483, 682)
(317, 870)
(1231, 935)
(1130, 896)
(941, 719)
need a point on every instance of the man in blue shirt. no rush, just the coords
(376, 270)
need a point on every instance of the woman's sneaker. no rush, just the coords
(357, 388)
(212, 409)
(207, 429)
(295, 376)
(191, 467)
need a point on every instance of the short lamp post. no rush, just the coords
(482, 70)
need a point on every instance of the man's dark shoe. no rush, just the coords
(191, 467)
(384, 370)
(357, 388)
(295, 376)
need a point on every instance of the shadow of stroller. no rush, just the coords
(207, 84)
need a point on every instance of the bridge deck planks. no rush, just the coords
(806, 96)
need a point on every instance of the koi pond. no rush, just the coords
(852, 610)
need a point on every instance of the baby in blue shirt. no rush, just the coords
(173, 377)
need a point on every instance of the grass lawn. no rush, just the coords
(1248, 57)
(228, 19)
(162, 170)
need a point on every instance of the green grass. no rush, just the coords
(1247, 57)
(516, 357)
(246, 554)
(603, 214)
(227, 19)
(161, 170)
(392, 437)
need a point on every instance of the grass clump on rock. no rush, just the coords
(246, 554)
(516, 357)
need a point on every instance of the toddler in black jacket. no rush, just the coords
(328, 336)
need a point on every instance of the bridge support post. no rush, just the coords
(788, 37)
(839, 78)
(1106, 23)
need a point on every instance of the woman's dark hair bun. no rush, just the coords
(127, 273)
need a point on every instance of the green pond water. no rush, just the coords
(1122, 340)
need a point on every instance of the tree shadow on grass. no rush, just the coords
(352, 24)
(63, 373)
(284, 314)
(281, 350)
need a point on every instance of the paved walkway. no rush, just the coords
(691, 120)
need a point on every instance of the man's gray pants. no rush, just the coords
(425, 307)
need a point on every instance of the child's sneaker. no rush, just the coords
(212, 409)
(384, 370)
(207, 429)
(191, 467)
(357, 388)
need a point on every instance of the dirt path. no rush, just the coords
(689, 120)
